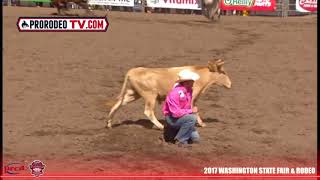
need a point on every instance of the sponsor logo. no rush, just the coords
(181, 1)
(128, 3)
(265, 3)
(239, 2)
(308, 5)
(14, 168)
(62, 24)
(37, 168)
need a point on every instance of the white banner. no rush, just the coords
(306, 5)
(129, 3)
(175, 4)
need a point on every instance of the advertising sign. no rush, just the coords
(128, 3)
(306, 5)
(253, 5)
(176, 4)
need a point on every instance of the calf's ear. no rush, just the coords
(212, 66)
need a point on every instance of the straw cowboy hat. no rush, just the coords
(187, 75)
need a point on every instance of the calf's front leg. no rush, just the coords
(199, 121)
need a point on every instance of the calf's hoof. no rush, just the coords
(202, 125)
(158, 128)
(108, 126)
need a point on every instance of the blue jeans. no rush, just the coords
(186, 126)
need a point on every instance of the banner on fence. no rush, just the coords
(176, 4)
(306, 5)
(128, 3)
(45, 1)
(251, 5)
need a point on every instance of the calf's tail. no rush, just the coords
(123, 89)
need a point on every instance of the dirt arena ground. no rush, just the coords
(56, 86)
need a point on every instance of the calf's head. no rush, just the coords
(218, 74)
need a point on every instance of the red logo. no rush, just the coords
(37, 168)
(14, 168)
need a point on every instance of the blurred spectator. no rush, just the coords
(107, 8)
(245, 13)
(39, 4)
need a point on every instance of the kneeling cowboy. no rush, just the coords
(177, 109)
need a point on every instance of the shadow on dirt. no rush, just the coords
(146, 123)
(211, 120)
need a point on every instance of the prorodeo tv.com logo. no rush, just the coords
(62, 24)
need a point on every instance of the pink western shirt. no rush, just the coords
(178, 102)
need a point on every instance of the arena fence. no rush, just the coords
(284, 8)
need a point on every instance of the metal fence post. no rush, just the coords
(284, 8)
(144, 6)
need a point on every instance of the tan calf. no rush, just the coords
(153, 84)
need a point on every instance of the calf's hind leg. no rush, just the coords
(130, 96)
(150, 102)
